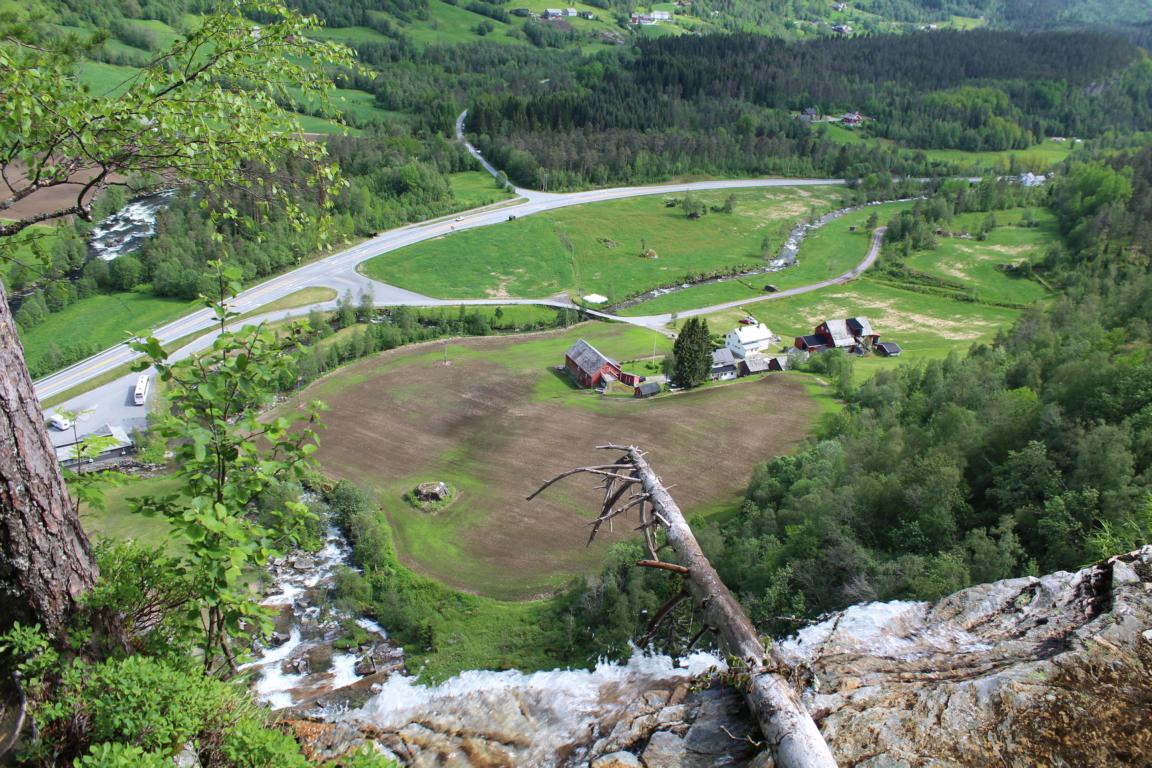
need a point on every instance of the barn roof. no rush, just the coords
(861, 326)
(814, 341)
(649, 388)
(587, 358)
(841, 335)
(889, 348)
(756, 363)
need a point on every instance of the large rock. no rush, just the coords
(1048, 671)
(1030, 671)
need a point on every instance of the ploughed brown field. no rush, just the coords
(499, 420)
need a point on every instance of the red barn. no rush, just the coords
(588, 365)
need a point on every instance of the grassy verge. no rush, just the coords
(101, 321)
(473, 189)
(598, 247)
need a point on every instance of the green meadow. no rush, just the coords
(598, 248)
(473, 189)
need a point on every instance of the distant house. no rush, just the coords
(570, 12)
(589, 366)
(648, 389)
(851, 119)
(842, 29)
(552, 13)
(1030, 179)
(808, 114)
(839, 7)
(888, 349)
(642, 19)
(115, 439)
(661, 15)
(836, 333)
(853, 335)
(587, 15)
(749, 339)
(723, 365)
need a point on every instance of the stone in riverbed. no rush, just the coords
(664, 750)
(617, 760)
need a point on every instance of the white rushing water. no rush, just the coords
(285, 671)
(124, 231)
(543, 716)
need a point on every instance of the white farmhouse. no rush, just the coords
(750, 339)
(661, 15)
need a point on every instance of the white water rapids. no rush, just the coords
(124, 231)
(544, 718)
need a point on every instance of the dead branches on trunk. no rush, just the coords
(789, 730)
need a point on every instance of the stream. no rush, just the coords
(541, 719)
(127, 229)
(785, 257)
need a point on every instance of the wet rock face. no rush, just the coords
(1047, 671)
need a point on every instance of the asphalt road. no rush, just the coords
(111, 403)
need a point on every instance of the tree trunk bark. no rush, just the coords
(46, 563)
(791, 733)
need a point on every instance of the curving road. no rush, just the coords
(111, 403)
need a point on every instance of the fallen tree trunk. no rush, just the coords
(791, 734)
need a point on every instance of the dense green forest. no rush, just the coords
(728, 104)
(1029, 455)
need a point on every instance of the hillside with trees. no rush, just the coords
(1026, 456)
(728, 105)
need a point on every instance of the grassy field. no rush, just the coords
(597, 248)
(499, 420)
(475, 188)
(975, 264)
(450, 24)
(925, 325)
(825, 253)
(102, 320)
(115, 521)
(1038, 157)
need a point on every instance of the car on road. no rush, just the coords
(59, 421)
(459, 218)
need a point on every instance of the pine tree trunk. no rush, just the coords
(46, 563)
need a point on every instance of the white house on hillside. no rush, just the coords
(749, 339)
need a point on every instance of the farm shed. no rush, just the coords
(588, 365)
(648, 389)
(888, 349)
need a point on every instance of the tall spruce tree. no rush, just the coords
(692, 354)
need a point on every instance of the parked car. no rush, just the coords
(59, 421)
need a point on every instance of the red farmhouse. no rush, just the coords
(588, 366)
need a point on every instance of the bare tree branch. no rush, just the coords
(789, 730)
